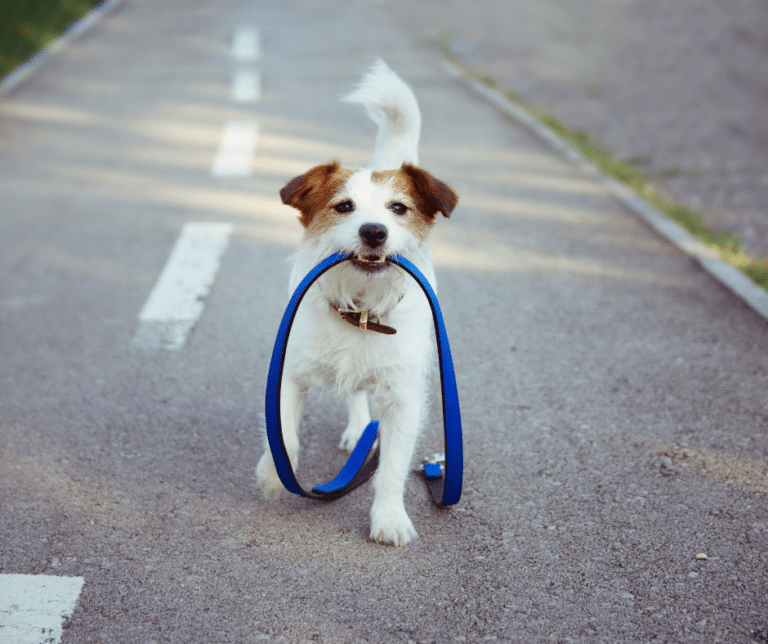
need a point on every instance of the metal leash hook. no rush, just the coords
(434, 465)
(443, 471)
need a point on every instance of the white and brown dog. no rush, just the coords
(386, 209)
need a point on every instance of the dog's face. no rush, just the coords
(367, 213)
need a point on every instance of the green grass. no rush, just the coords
(26, 26)
(728, 246)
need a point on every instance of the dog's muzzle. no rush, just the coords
(370, 263)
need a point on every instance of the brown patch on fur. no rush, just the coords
(431, 195)
(312, 192)
(323, 220)
(424, 196)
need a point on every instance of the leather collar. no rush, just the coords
(361, 320)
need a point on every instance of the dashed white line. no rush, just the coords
(246, 44)
(33, 607)
(176, 302)
(246, 86)
(235, 155)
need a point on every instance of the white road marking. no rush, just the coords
(246, 44)
(235, 155)
(176, 302)
(246, 86)
(33, 607)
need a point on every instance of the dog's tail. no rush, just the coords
(391, 104)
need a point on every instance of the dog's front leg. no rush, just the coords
(292, 398)
(399, 424)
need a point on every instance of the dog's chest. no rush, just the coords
(327, 351)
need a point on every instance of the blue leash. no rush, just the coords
(444, 483)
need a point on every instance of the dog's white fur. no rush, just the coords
(325, 350)
(390, 104)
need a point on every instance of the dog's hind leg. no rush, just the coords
(359, 416)
(292, 398)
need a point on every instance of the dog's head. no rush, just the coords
(370, 214)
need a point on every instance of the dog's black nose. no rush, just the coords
(373, 234)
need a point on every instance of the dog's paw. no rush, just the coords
(392, 526)
(350, 437)
(267, 478)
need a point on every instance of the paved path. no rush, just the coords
(613, 395)
(681, 88)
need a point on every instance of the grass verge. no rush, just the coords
(729, 247)
(27, 26)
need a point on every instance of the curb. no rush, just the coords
(25, 70)
(708, 259)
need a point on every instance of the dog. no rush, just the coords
(365, 328)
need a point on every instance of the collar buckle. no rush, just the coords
(362, 320)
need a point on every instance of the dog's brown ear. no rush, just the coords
(311, 191)
(432, 195)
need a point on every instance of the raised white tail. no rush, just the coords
(391, 104)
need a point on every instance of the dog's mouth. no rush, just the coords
(370, 263)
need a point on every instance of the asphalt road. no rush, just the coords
(613, 395)
(677, 89)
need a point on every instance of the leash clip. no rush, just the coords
(434, 465)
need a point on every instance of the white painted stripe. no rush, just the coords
(33, 607)
(235, 155)
(246, 86)
(246, 44)
(176, 302)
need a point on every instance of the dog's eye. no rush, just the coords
(344, 206)
(398, 208)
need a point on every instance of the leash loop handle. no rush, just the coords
(446, 488)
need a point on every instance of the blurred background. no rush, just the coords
(676, 92)
(27, 26)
